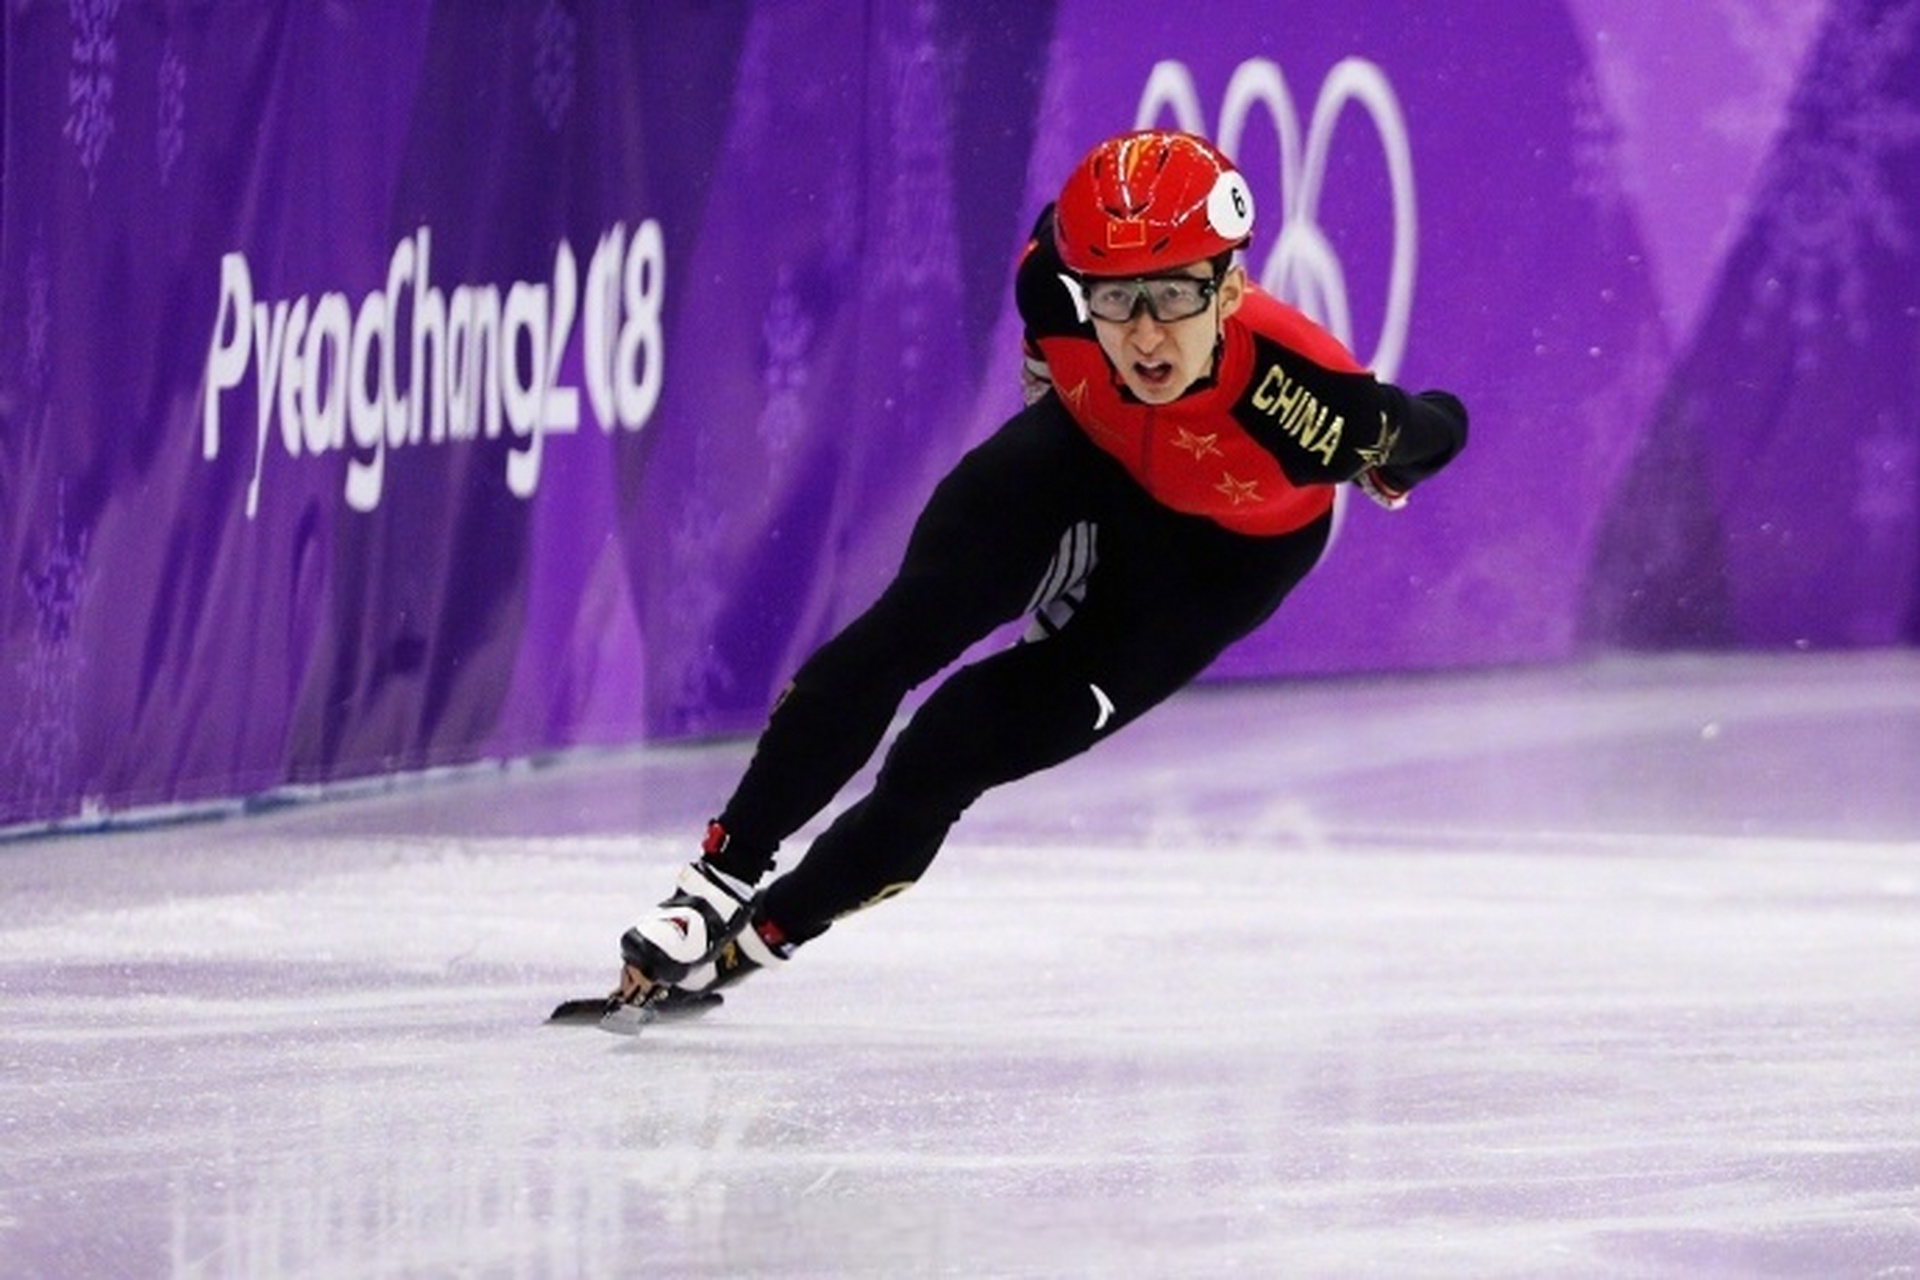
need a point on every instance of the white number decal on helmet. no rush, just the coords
(1230, 206)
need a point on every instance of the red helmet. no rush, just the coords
(1147, 202)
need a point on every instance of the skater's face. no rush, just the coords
(1162, 332)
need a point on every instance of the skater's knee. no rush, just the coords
(886, 894)
(983, 729)
(876, 657)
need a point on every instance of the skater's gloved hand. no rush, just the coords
(1382, 490)
(1035, 378)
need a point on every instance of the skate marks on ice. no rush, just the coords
(1398, 1058)
(1537, 1011)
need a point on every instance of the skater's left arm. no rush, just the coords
(1420, 433)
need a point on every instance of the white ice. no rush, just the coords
(1611, 970)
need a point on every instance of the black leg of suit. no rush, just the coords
(1168, 593)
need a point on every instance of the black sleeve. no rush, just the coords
(1431, 432)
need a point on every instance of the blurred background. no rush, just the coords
(392, 387)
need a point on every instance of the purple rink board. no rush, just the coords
(387, 387)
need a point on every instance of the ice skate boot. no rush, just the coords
(761, 946)
(640, 999)
(706, 909)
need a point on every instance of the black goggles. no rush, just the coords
(1166, 298)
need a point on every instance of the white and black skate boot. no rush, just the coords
(641, 1001)
(642, 998)
(704, 912)
(760, 946)
(706, 909)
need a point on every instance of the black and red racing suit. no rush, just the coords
(1148, 539)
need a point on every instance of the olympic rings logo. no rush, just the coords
(1302, 265)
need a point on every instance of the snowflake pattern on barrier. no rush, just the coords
(91, 76)
(1596, 147)
(556, 36)
(1828, 202)
(694, 601)
(39, 314)
(170, 136)
(917, 257)
(788, 333)
(46, 742)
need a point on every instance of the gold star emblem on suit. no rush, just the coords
(1376, 454)
(1199, 446)
(1238, 492)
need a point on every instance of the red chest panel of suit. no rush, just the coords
(1193, 455)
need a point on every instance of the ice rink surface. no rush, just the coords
(1603, 971)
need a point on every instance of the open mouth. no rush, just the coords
(1156, 373)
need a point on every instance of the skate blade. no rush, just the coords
(574, 1013)
(677, 1005)
(624, 1019)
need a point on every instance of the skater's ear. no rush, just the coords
(1233, 289)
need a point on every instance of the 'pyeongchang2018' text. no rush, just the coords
(412, 364)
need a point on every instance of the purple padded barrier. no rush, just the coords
(386, 387)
